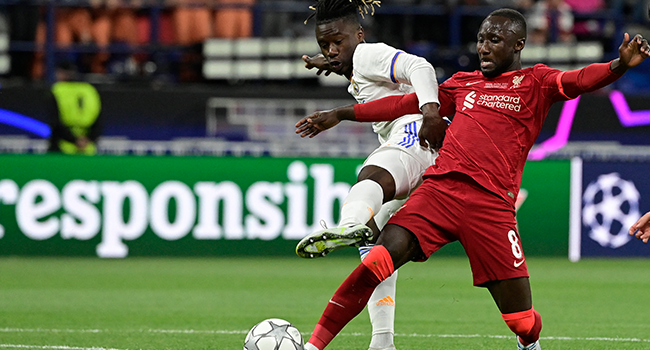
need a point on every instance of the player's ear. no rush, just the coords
(520, 44)
(361, 35)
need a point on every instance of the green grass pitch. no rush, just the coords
(210, 303)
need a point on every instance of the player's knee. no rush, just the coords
(382, 177)
(379, 262)
(526, 324)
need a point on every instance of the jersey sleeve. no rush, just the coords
(380, 62)
(571, 84)
(549, 82)
(447, 103)
(587, 79)
(387, 108)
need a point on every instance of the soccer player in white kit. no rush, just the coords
(395, 168)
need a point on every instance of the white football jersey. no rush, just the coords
(380, 70)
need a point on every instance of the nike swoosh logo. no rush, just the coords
(335, 303)
(473, 82)
(517, 264)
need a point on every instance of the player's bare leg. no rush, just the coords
(514, 300)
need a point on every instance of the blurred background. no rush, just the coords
(146, 87)
(181, 74)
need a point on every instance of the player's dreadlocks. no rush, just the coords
(331, 10)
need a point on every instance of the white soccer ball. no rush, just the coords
(273, 334)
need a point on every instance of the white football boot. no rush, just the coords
(533, 346)
(323, 242)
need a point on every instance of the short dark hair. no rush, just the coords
(515, 17)
(332, 10)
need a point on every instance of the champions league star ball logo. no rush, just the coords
(611, 206)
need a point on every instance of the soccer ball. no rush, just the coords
(273, 334)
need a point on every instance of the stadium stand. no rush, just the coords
(158, 52)
(240, 81)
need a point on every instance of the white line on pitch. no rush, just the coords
(37, 330)
(416, 335)
(194, 331)
(190, 331)
(178, 331)
(56, 347)
(635, 340)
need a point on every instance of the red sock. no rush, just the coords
(526, 324)
(379, 262)
(348, 301)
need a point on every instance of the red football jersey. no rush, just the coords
(496, 120)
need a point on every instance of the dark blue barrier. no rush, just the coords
(614, 196)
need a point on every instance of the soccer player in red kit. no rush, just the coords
(469, 194)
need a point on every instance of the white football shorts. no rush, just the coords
(403, 157)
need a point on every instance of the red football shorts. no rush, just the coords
(453, 207)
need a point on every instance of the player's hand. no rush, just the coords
(318, 62)
(641, 229)
(632, 52)
(313, 124)
(433, 129)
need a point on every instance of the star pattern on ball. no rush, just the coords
(278, 332)
(250, 343)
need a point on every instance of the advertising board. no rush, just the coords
(119, 206)
(608, 198)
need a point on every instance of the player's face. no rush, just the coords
(338, 40)
(498, 47)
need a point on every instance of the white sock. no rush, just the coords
(381, 340)
(381, 308)
(381, 305)
(387, 210)
(362, 203)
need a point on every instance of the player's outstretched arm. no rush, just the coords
(317, 61)
(598, 75)
(384, 109)
(631, 53)
(641, 229)
(313, 124)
